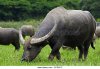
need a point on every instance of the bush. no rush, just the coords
(14, 9)
(22, 9)
(92, 6)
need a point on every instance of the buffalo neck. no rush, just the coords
(45, 27)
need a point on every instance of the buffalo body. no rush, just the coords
(61, 27)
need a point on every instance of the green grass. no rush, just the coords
(9, 57)
(68, 57)
(18, 24)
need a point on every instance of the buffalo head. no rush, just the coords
(33, 46)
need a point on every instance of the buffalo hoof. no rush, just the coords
(81, 59)
(51, 57)
(58, 57)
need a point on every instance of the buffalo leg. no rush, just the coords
(80, 51)
(55, 51)
(86, 47)
(58, 55)
(92, 45)
(51, 56)
(17, 45)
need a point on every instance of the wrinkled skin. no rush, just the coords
(72, 28)
(31, 51)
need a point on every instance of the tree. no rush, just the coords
(22, 9)
(91, 5)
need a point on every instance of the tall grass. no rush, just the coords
(18, 24)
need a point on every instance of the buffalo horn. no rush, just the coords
(38, 40)
(21, 37)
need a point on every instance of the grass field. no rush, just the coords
(69, 57)
(9, 57)
(18, 24)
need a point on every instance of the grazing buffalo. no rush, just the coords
(9, 36)
(27, 30)
(97, 23)
(97, 32)
(94, 37)
(61, 27)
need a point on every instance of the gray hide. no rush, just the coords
(9, 36)
(97, 32)
(27, 30)
(97, 23)
(61, 27)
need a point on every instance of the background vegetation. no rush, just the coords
(92, 6)
(23, 9)
(15, 13)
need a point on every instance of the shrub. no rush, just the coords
(22, 9)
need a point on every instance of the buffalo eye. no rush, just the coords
(29, 48)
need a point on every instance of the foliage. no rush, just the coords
(14, 9)
(98, 20)
(22, 9)
(91, 5)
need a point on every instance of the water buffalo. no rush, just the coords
(97, 32)
(61, 27)
(9, 36)
(27, 30)
(97, 23)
